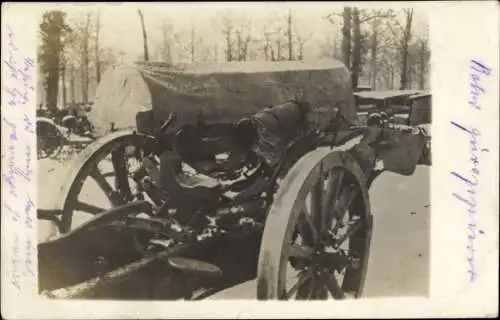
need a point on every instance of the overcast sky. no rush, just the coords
(122, 33)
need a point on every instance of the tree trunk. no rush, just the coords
(356, 52)
(97, 56)
(52, 88)
(289, 32)
(229, 46)
(422, 65)
(63, 80)
(301, 50)
(392, 78)
(410, 75)
(72, 84)
(192, 45)
(278, 47)
(266, 46)
(245, 48)
(404, 49)
(374, 47)
(404, 69)
(346, 37)
(239, 44)
(144, 36)
(85, 60)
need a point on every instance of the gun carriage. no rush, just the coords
(221, 174)
(53, 134)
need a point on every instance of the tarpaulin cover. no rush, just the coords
(222, 92)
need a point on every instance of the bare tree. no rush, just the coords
(53, 33)
(63, 81)
(227, 30)
(405, 43)
(353, 39)
(97, 48)
(289, 34)
(72, 84)
(346, 36)
(267, 45)
(301, 42)
(403, 36)
(192, 45)
(357, 47)
(423, 59)
(169, 42)
(85, 38)
(144, 35)
(373, 52)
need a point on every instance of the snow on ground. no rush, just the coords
(399, 257)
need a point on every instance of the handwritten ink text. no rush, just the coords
(477, 69)
(469, 179)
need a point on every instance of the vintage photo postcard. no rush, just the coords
(249, 155)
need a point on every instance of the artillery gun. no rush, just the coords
(221, 174)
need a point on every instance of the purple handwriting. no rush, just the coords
(22, 263)
(469, 179)
(17, 157)
(16, 262)
(28, 207)
(18, 68)
(477, 70)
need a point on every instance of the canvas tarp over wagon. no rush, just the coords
(222, 92)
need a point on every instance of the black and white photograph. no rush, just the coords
(262, 152)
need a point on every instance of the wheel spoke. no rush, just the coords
(312, 288)
(108, 174)
(101, 181)
(348, 198)
(333, 286)
(352, 229)
(302, 277)
(306, 219)
(89, 208)
(110, 193)
(333, 192)
(317, 201)
(331, 197)
(121, 177)
(303, 252)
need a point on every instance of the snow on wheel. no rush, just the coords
(107, 174)
(50, 139)
(317, 234)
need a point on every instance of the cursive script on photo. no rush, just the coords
(15, 168)
(468, 181)
(18, 68)
(478, 70)
(22, 260)
(18, 158)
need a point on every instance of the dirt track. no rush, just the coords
(399, 258)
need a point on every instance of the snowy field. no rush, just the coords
(399, 257)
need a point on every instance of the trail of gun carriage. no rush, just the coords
(215, 174)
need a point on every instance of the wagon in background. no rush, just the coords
(408, 107)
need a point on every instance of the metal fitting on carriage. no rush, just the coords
(100, 266)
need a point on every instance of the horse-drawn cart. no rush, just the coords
(226, 173)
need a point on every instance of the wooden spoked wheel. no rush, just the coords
(50, 141)
(106, 175)
(317, 235)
